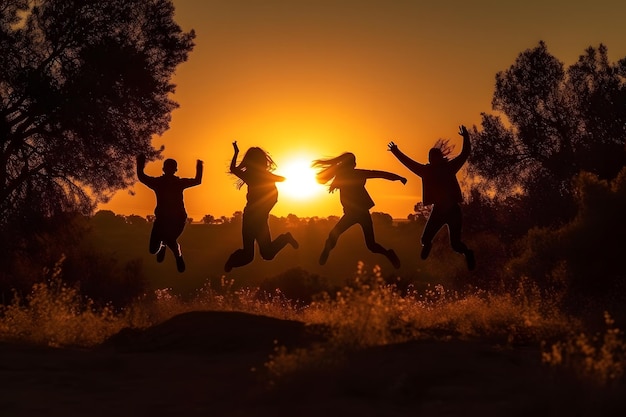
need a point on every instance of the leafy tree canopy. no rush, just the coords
(553, 123)
(84, 86)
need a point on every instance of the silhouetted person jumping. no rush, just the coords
(441, 189)
(254, 170)
(355, 200)
(170, 214)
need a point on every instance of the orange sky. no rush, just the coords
(314, 78)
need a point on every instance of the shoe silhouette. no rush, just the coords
(180, 264)
(324, 257)
(470, 260)
(160, 255)
(395, 261)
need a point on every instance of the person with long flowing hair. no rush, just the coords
(441, 189)
(343, 175)
(255, 171)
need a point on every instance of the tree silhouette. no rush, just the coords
(208, 219)
(553, 123)
(84, 86)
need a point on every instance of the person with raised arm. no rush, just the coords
(440, 188)
(255, 171)
(343, 175)
(170, 214)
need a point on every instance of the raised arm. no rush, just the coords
(191, 182)
(199, 169)
(149, 181)
(141, 164)
(414, 166)
(465, 152)
(383, 174)
(233, 162)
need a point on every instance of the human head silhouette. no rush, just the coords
(435, 156)
(348, 160)
(170, 166)
(329, 168)
(257, 158)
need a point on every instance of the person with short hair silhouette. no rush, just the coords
(255, 170)
(170, 214)
(356, 201)
(440, 188)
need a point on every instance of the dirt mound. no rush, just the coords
(213, 364)
(215, 331)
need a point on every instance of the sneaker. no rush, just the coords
(180, 264)
(293, 242)
(228, 267)
(395, 261)
(469, 258)
(324, 257)
(426, 250)
(160, 255)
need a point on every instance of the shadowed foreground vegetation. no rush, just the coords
(367, 312)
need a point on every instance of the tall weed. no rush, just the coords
(600, 358)
(368, 311)
(55, 314)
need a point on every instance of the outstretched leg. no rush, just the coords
(342, 225)
(245, 255)
(156, 237)
(240, 257)
(174, 230)
(268, 247)
(368, 232)
(435, 222)
(160, 255)
(455, 225)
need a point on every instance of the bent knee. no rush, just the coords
(459, 247)
(373, 246)
(267, 255)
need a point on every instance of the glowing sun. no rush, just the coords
(300, 182)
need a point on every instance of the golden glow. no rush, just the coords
(313, 79)
(300, 183)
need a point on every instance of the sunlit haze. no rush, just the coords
(312, 79)
(300, 183)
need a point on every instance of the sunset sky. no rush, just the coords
(309, 79)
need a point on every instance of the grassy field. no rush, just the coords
(369, 348)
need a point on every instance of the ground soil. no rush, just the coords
(212, 364)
